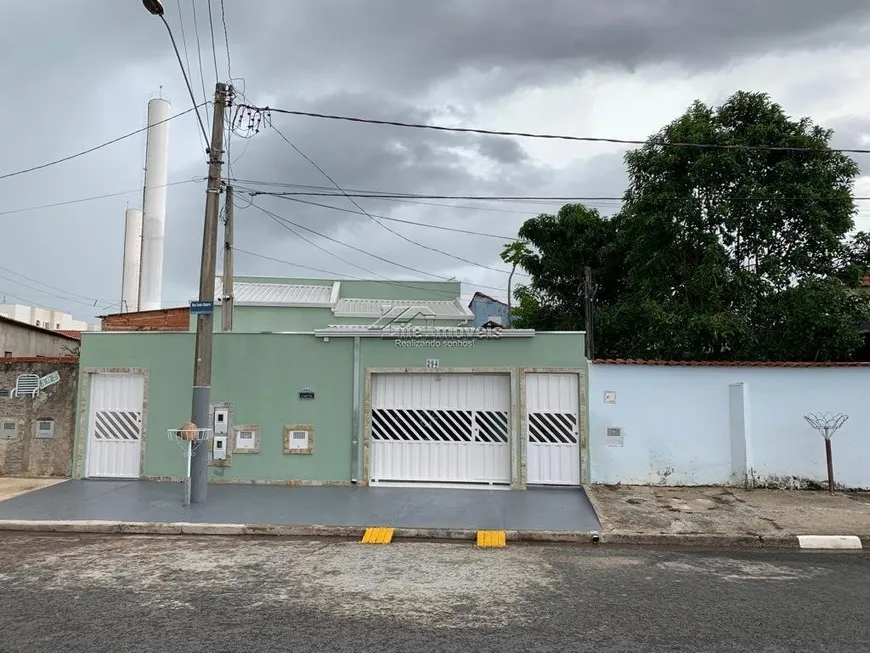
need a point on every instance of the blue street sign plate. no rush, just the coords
(202, 308)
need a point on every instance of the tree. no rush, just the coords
(722, 252)
(514, 253)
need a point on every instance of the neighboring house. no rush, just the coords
(488, 309)
(44, 317)
(22, 340)
(324, 382)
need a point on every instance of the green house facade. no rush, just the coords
(341, 382)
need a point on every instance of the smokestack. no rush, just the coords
(154, 206)
(132, 254)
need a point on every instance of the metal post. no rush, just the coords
(830, 460)
(205, 321)
(589, 297)
(227, 306)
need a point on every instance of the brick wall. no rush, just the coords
(167, 319)
(22, 453)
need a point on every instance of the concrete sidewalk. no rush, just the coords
(149, 507)
(720, 516)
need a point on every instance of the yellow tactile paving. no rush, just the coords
(490, 539)
(378, 536)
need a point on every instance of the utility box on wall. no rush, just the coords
(298, 439)
(220, 451)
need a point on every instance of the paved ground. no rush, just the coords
(127, 593)
(535, 510)
(11, 486)
(729, 511)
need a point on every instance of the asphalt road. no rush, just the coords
(119, 594)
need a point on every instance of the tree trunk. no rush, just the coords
(510, 303)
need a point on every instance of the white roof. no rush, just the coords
(442, 309)
(246, 293)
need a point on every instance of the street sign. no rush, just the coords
(49, 379)
(202, 308)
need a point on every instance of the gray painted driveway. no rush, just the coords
(399, 507)
(168, 594)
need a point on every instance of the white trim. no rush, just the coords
(829, 542)
(365, 331)
(336, 291)
(286, 304)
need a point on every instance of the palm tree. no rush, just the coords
(514, 253)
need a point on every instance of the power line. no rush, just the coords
(217, 75)
(96, 147)
(376, 221)
(562, 137)
(388, 282)
(187, 59)
(199, 52)
(367, 253)
(227, 39)
(41, 283)
(94, 304)
(95, 197)
(186, 79)
(409, 222)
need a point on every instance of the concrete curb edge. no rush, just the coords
(618, 538)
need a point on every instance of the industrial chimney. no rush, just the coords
(154, 206)
(132, 254)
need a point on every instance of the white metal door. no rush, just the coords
(440, 428)
(115, 425)
(553, 429)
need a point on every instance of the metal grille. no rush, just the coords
(553, 428)
(409, 425)
(117, 425)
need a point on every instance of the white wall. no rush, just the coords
(694, 426)
(42, 317)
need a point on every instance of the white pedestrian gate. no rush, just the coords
(440, 428)
(115, 425)
(553, 429)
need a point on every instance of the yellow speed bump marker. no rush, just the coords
(490, 539)
(378, 536)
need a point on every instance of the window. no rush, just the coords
(57, 326)
(37, 323)
(7, 354)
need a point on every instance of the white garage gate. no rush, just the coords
(440, 428)
(553, 429)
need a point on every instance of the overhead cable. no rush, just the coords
(562, 137)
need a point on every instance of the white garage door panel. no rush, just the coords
(115, 426)
(444, 428)
(553, 429)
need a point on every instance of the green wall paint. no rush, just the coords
(262, 375)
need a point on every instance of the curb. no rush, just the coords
(616, 538)
(275, 530)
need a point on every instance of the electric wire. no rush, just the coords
(48, 285)
(227, 40)
(95, 148)
(585, 139)
(187, 54)
(186, 78)
(427, 225)
(95, 304)
(367, 253)
(388, 282)
(375, 220)
(198, 51)
(93, 198)
(217, 75)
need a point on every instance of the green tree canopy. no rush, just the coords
(722, 252)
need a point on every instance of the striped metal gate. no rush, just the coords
(115, 426)
(440, 428)
(553, 429)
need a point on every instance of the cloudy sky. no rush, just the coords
(78, 74)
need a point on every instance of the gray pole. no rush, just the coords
(227, 307)
(205, 322)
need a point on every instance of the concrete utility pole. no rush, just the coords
(227, 308)
(205, 321)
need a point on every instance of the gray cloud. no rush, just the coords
(76, 74)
